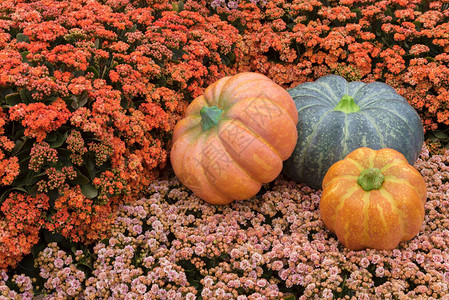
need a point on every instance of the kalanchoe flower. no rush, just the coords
(39, 119)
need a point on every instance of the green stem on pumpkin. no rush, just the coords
(210, 115)
(347, 105)
(370, 179)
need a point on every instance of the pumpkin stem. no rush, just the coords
(347, 105)
(210, 116)
(370, 179)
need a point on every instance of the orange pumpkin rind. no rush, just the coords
(234, 138)
(378, 218)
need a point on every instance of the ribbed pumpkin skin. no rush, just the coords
(325, 136)
(256, 133)
(379, 218)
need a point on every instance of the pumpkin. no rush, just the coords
(234, 138)
(336, 117)
(373, 199)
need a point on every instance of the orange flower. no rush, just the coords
(39, 119)
(19, 228)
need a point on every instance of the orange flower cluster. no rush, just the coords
(75, 144)
(402, 43)
(110, 184)
(9, 166)
(19, 226)
(40, 154)
(39, 119)
(79, 218)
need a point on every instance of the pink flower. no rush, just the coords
(200, 248)
(333, 270)
(327, 293)
(375, 259)
(283, 274)
(397, 253)
(420, 258)
(234, 253)
(190, 296)
(141, 288)
(59, 263)
(437, 258)
(380, 272)
(256, 257)
(208, 281)
(277, 265)
(364, 262)
(261, 283)
(137, 229)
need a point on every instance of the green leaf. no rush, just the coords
(13, 99)
(26, 96)
(18, 145)
(177, 54)
(4, 91)
(90, 165)
(51, 137)
(178, 6)
(417, 24)
(37, 249)
(79, 100)
(20, 180)
(34, 190)
(32, 178)
(225, 60)
(83, 266)
(162, 81)
(89, 191)
(78, 73)
(50, 237)
(5, 194)
(20, 37)
(24, 57)
(26, 265)
(93, 70)
(50, 67)
(80, 179)
(83, 98)
(440, 134)
(60, 139)
(18, 134)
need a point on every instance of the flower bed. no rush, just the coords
(174, 245)
(90, 92)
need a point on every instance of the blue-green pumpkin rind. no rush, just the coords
(325, 136)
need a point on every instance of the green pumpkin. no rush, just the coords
(336, 117)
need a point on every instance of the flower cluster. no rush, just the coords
(19, 228)
(402, 43)
(174, 245)
(77, 217)
(91, 89)
(39, 119)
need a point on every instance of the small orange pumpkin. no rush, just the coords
(373, 199)
(234, 138)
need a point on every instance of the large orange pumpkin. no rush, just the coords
(234, 138)
(373, 199)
